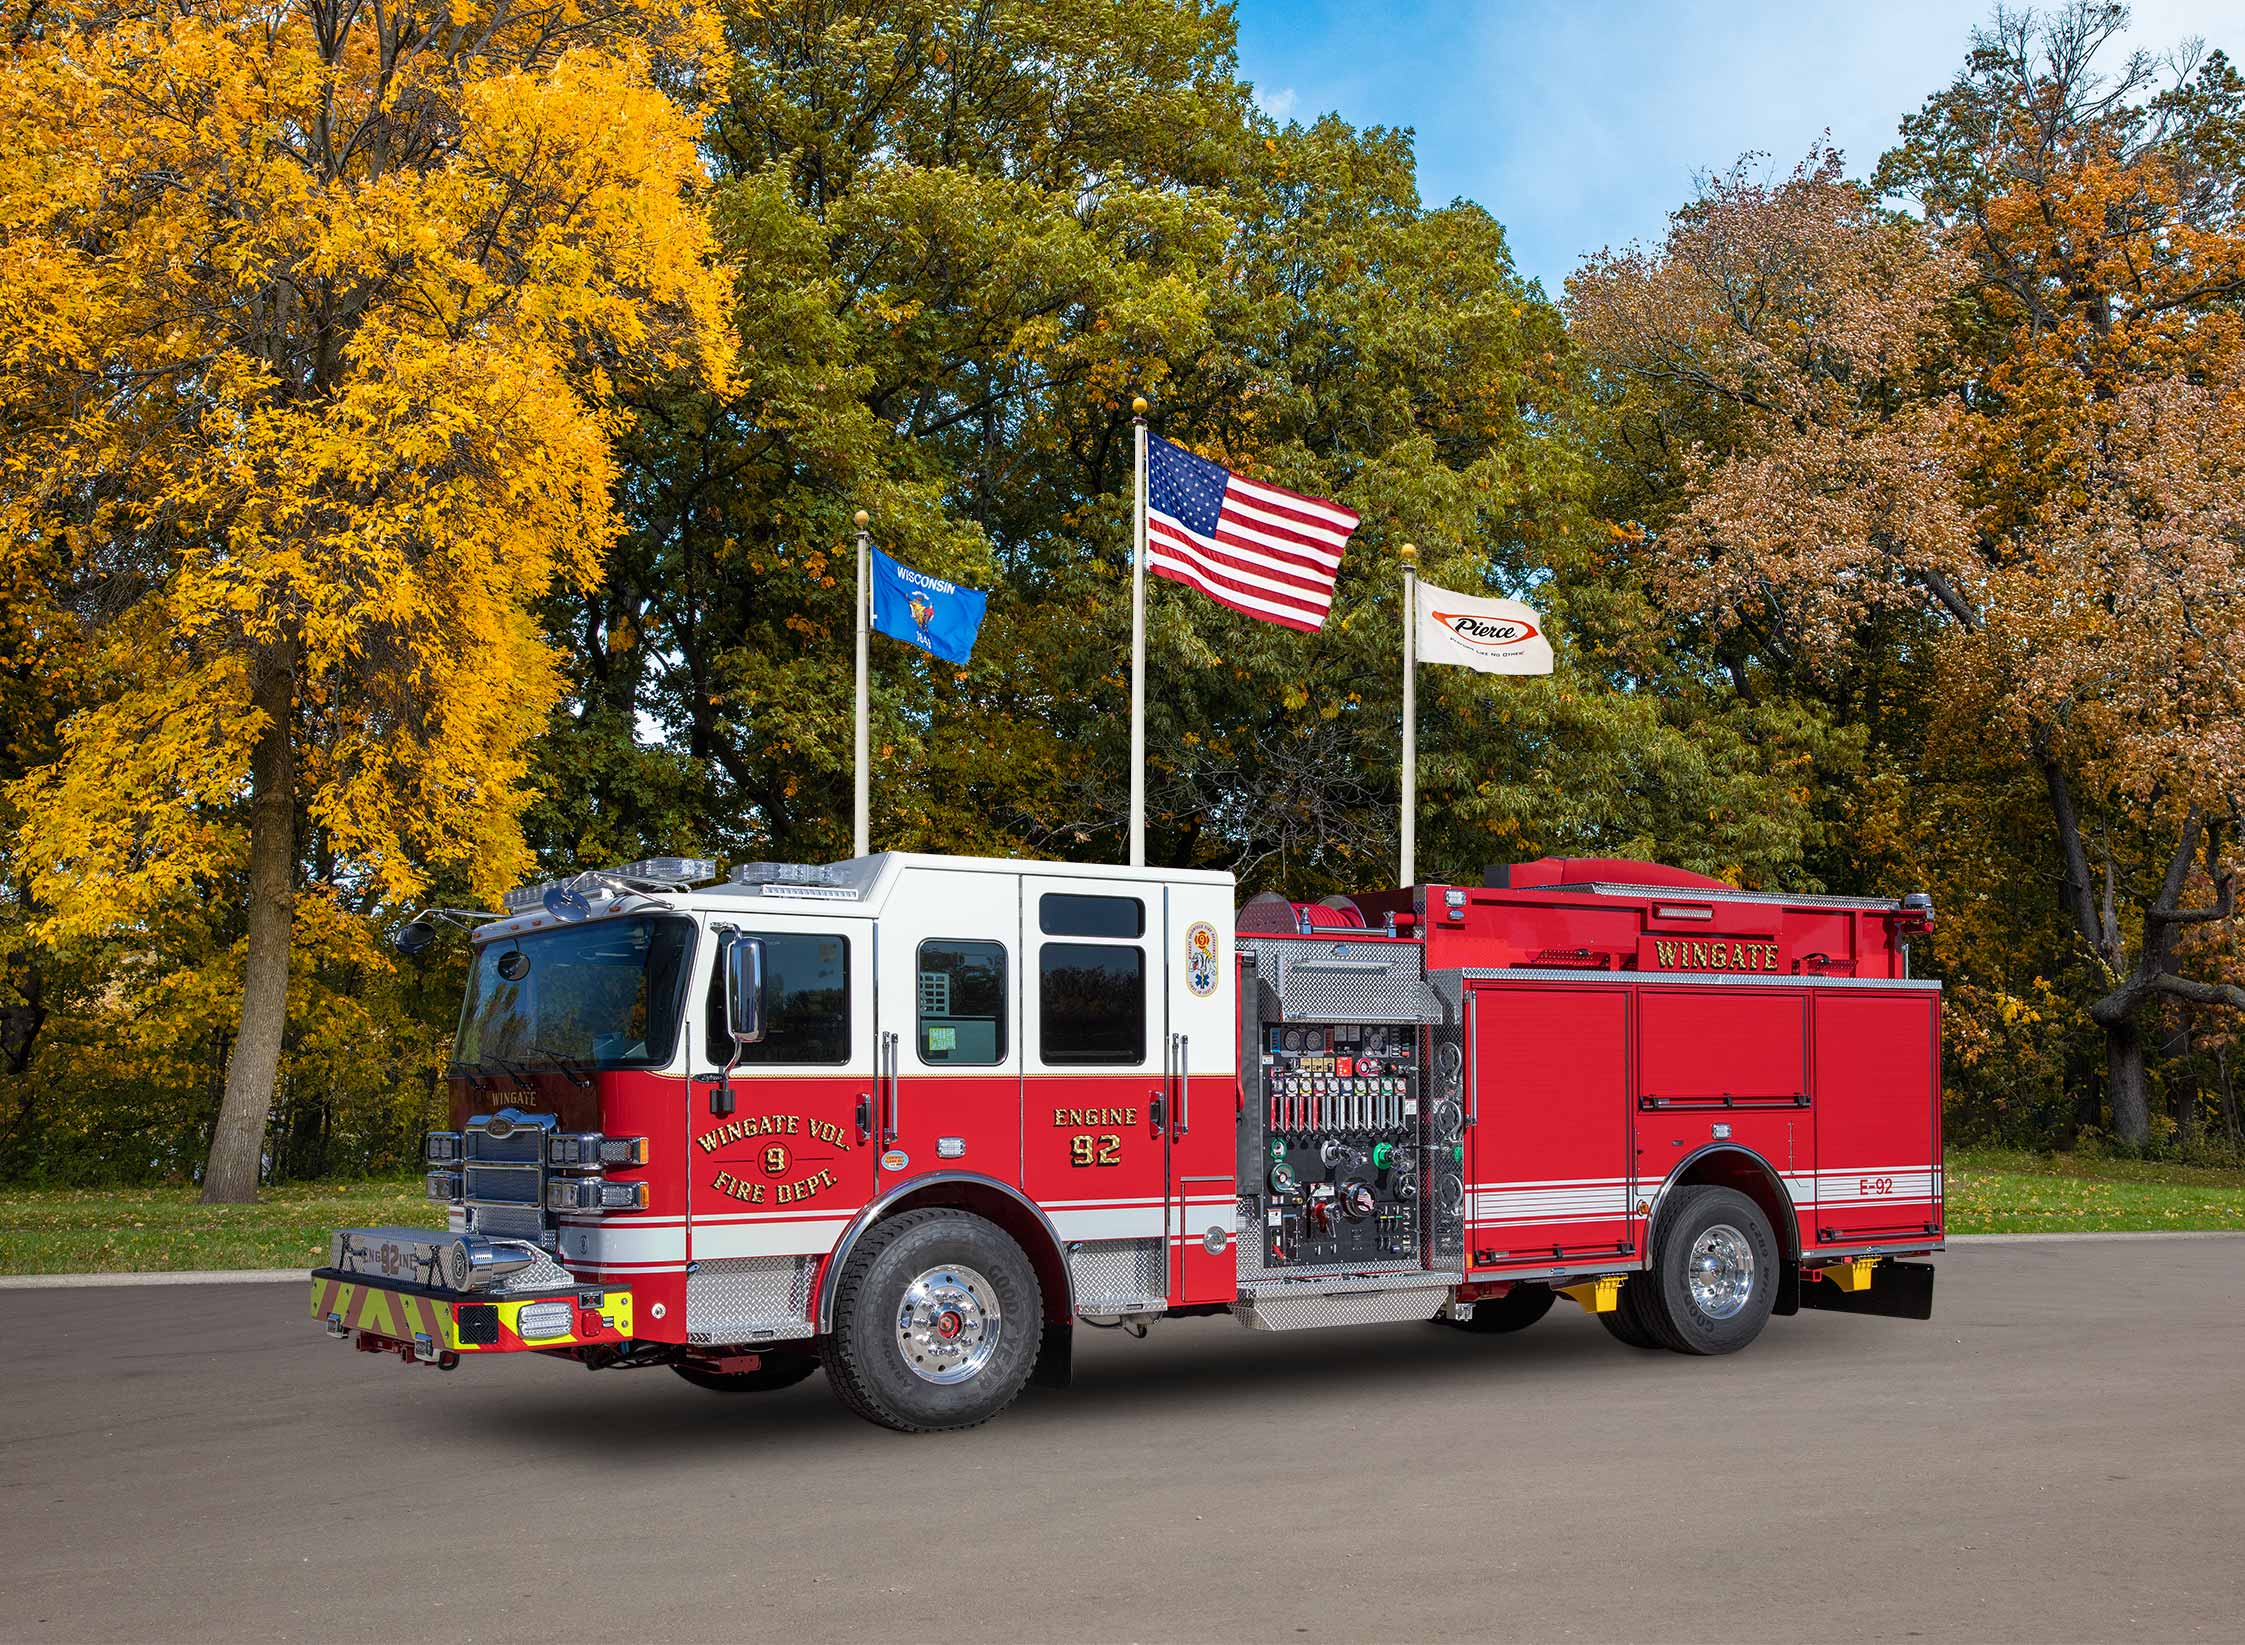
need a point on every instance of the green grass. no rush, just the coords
(145, 1230)
(1994, 1191)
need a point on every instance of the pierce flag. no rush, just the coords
(1494, 636)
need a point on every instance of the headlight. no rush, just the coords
(444, 1186)
(595, 1194)
(442, 1147)
(586, 1150)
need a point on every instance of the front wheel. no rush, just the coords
(1714, 1272)
(937, 1322)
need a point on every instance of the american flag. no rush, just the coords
(1257, 548)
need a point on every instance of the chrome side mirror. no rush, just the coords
(743, 960)
(744, 990)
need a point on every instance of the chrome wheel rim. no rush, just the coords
(948, 1324)
(1721, 1271)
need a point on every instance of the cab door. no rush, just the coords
(1097, 1112)
(781, 1169)
(949, 1048)
(1201, 989)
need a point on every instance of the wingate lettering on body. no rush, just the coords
(771, 1125)
(1708, 954)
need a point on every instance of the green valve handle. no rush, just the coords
(1278, 1150)
(1457, 1152)
(1382, 1154)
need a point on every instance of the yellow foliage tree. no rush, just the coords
(313, 320)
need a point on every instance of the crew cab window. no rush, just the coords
(1091, 1003)
(962, 1002)
(1066, 914)
(806, 1001)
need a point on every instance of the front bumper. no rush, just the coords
(433, 1321)
(387, 1288)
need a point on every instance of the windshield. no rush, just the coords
(609, 993)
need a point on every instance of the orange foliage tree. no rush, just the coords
(312, 327)
(2007, 439)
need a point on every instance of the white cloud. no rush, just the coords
(1279, 104)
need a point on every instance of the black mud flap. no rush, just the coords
(1899, 1290)
(1056, 1358)
(1789, 1289)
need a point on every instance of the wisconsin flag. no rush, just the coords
(1494, 636)
(939, 617)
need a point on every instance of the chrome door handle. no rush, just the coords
(895, 1119)
(1178, 1045)
(1472, 1062)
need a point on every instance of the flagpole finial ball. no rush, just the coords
(862, 519)
(1409, 553)
(1138, 405)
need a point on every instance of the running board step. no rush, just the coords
(1364, 1302)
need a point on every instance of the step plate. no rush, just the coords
(1268, 1312)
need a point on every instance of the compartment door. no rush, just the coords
(1549, 1139)
(1878, 1116)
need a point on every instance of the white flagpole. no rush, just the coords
(861, 839)
(1138, 645)
(1410, 557)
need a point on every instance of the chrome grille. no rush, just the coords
(509, 1221)
(522, 1147)
(503, 1185)
(503, 1175)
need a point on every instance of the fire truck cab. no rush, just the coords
(914, 1118)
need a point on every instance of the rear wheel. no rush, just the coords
(937, 1322)
(782, 1368)
(1714, 1272)
(1625, 1324)
(1516, 1310)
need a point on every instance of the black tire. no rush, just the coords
(1729, 1221)
(782, 1368)
(1516, 1310)
(998, 1314)
(1624, 1323)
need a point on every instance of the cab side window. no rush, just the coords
(806, 1002)
(961, 989)
(1091, 996)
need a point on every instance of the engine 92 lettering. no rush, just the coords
(1084, 1148)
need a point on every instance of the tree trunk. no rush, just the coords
(2124, 1082)
(2229, 1098)
(237, 1143)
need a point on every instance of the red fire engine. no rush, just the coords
(914, 1118)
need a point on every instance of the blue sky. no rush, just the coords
(1581, 126)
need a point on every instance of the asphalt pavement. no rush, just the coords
(2059, 1455)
